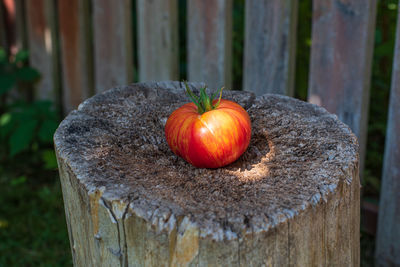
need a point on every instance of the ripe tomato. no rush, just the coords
(208, 137)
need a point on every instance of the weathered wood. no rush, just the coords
(209, 48)
(76, 52)
(341, 54)
(15, 23)
(20, 21)
(3, 36)
(291, 199)
(269, 46)
(157, 28)
(112, 40)
(8, 7)
(41, 27)
(388, 245)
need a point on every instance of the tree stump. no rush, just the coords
(291, 199)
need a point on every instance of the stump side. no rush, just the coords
(292, 198)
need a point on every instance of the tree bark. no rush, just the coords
(291, 199)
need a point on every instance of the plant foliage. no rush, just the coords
(25, 125)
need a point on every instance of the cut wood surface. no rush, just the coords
(270, 41)
(112, 40)
(76, 52)
(341, 58)
(209, 48)
(158, 40)
(42, 44)
(291, 199)
(388, 244)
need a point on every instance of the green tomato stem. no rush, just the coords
(203, 102)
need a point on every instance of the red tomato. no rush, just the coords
(212, 139)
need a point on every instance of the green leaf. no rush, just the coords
(4, 119)
(49, 159)
(27, 74)
(3, 56)
(392, 6)
(3, 223)
(18, 181)
(21, 56)
(46, 130)
(194, 98)
(45, 193)
(385, 49)
(7, 124)
(7, 81)
(22, 137)
(45, 109)
(219, 99)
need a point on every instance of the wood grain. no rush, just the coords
(158, 40)
(269, 51)
(126, 206)
(341, 54)
(388, 236)
(76, 52)
(42, 41)
(112, 40)
(209, 49)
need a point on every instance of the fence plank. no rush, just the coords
(388, 245)
(270, 41)
(3, 36)
(341, 54)
(157, 29)
(210, 42)
(15, 23)
(112, 34)
(21, 35)
(43, 46)
(76, 56)
(9, 16)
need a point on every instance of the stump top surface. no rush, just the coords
(114, 144)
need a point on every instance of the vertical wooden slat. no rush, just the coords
(20, 15)
(3, 36)
(210, 42)
(112, 34)
(76, 56)
(157, 29)
(9, 16)
(341, 54)
(388, 237)
(270, 40)
(41, 27)
(16, 29)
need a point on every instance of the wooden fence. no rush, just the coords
(83, 47)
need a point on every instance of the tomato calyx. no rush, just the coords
(203, 101)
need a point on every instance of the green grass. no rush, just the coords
(33, 231)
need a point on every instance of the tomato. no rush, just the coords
(209, 135)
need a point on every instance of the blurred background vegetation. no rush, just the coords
(32, 225)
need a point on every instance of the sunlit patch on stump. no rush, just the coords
(291, 198)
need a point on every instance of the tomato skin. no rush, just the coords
(211, 140)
